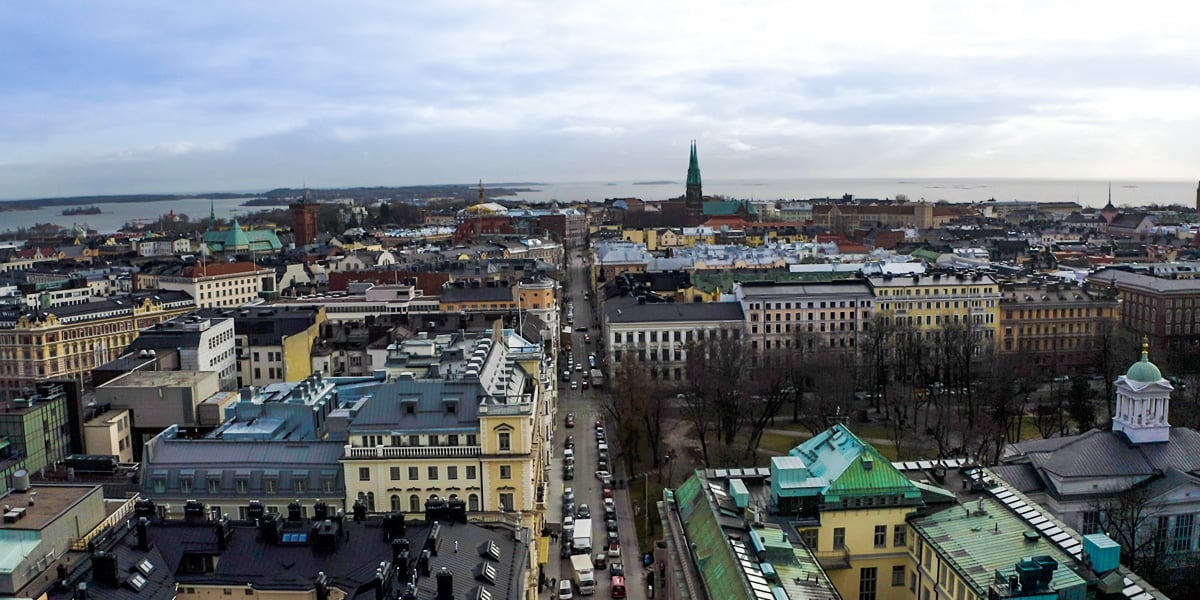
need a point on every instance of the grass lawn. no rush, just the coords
(781, 443)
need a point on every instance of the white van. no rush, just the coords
(564, 590)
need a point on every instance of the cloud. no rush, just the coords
(254, 95)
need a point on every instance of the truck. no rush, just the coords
(581, 540)
(584, 574)
(597, 378)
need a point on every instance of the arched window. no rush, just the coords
(371, 501)
(473, 502)
(414, 503)
(395, 503)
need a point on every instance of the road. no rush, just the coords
(587, 407)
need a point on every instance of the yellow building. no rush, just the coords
(1055, 326)
(68, 342)
(474, 435)
(929, 302)
(110, 433)
(849, 505)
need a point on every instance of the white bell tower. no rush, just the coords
(1143, 402)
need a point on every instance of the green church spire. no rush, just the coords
(693, 177)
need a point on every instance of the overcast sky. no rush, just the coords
(113, 97)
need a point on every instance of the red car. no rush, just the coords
(608, 493)
(570, 420)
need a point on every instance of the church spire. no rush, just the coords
(693, 175)
(212, 214)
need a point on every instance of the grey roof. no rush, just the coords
(676, 312)
(202, 453)
(1023, 477)
(1127, 279)
(119, 303)
(386, 408)
(1110, 454)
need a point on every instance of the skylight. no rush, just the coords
(493, 551)
(137, 582)
(145, 567)
(489, 573)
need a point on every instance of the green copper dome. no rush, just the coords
(1144, 371)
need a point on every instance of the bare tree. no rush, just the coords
(633, 391)
(716, 368)
(1131, 518)
(771, 385)
(1113, 351)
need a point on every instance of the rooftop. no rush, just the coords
(153, 379)
(676, 312)
(48, 503)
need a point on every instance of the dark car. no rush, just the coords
(584, 512)
(570, 441)
(610, 512)
(570, 419)
(566, 550)
(616, 568)
(569, 473)
(610, 524)
(568, 508)
(602, 464)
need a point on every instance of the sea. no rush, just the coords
(1086, 192)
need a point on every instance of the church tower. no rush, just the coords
(1198, 197)
(1143, 400)
(305, 213)
(694, 198)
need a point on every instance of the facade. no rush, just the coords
(305, 213)
(474, 428)
(110, 433)
(274, 344)
(204, 344)
(1165, 310)
(159, 399)
(659, 334)
(220, 285)
(67, 342)
(388, 301)
(34, 431)
(1055, 326)
(849, 217)
(926, 302)
(820, 316)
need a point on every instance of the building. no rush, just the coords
(359, 301)
(291, 556)
(281, 411)
(845, 218)
(35, 430)
(718, 547)
(931, 301)
(159, 399)
(236, 240)
(203, 343)
(305, 214)
(827, 315)
(110, 433)
(850, 506)
(227, 474)
(41, 525)
(659, 334)
(693, 199)
(1054, 327)
(1165, 310)
(1078, 477)
(274, 343)
(219, 285)
(67, 342)
(474, 425)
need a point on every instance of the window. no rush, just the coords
(298, 485)
(505, 471)
(505, 441)
(900, 535)
(880, 536)
(433, 473)
(242, 485)
(160, 485)
(470, 471)
(472, 439)
(898, 576)
(185, 485)
(394, 473)
(270, 484)
(1182, 534)
(866, 583)
(1090, 522)
(364, 473)
(395, 501)
(451, 472)
(414, 473)
(214, 486)
(506, 501)
(839, 538)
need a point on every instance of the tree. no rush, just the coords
(1113, 352)
(772, 384)
(634, 393)
(1079, 403)
(1131, 518)
(716, 368)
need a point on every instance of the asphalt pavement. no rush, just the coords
(587, 407)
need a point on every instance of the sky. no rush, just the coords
(151, 96)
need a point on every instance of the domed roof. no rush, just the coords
(1144, 371)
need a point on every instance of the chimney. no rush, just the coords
(104, 569)
(445, 585)
(82, 594)
(423, 563)
(223, 531)
(143, 534)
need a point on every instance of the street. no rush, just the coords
(587, 407)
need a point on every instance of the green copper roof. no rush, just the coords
(838, 464)
(978, 543)
(720, 570)
(693, 168)
(1144, 371)
(925, 254)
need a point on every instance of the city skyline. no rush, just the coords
(140, 97)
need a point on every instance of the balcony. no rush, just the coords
(834, 559)
(377, 452)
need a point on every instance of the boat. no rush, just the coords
(81, 210)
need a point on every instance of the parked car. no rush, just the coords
(569, 473)
(602, 464)
(570, 443)
(614, 550)
(610, 524)
(568, 495)
(600, 561)
(609, 503)
(569, 508)
(610, 511)
(584, 512)
(565, 552)
(616, 568)
(607, 492)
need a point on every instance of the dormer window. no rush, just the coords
(450, 404)
(410, 404)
